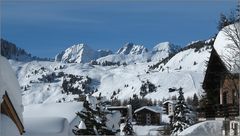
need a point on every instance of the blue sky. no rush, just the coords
(46, 27)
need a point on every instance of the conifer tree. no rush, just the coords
(128, 128)
(181, 115)
(94, 118)
(195, 101)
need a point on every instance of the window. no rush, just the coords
(224, 98)
(148, 118)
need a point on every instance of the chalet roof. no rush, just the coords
(117, 107)
(9, 84)
(156, 109)
(224, 47)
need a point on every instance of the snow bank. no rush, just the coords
(9, 83)
(56, 117)
(145, 130)
(206, 128)
(46, 126)
(65, 110)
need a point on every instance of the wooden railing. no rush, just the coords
(211, 111)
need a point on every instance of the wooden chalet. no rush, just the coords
(222, 87)
(149, 115)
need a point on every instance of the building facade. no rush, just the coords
(149, 115)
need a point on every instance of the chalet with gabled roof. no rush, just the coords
(149, 115)
(222, 84)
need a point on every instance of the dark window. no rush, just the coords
(225, 98)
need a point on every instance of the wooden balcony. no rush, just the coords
(219, 111)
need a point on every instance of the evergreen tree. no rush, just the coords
(195, 101)
(143, 90)
(94, 118)
(128, 128)
(181, 115)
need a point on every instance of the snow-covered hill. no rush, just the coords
(163, 50)
(47, 82)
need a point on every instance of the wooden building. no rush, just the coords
(222, 85)
(11, 120)
(222, 88)
(149, 115)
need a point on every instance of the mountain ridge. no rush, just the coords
(58, 81)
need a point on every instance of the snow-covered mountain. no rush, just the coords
(132, 49)
(131, 54)
(80, 53)
(47, 82)
(163, 50)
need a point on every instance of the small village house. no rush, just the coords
(169, 106)
(149, 115)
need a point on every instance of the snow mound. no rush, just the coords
(206, 128)
(61, 110)
(46, 126)
(146, 130)
(57, 119)
(7, 126)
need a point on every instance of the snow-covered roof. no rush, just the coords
(169, 101)
(156, 109)
(82, 125)
(9, 83)
(224, 47)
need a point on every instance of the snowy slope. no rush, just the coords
(50, 82)
(131, 53)
(163, 50)
(190, 58)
